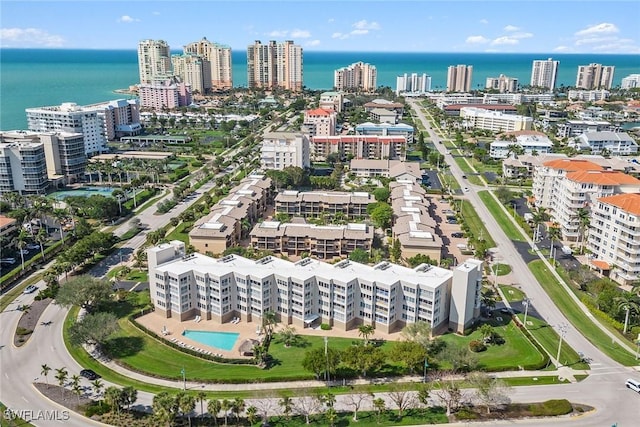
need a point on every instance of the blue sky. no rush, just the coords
(542, 26)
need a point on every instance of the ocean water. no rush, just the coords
(43, 77)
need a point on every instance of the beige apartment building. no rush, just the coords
(216, 65)
(283, 149)
(274, 65)
(413, 226)
(595, 76)
(359, 147)
(357, 76)
(523, 166)
(311, 204)
(332, 101)
(459, 78)
(309, 292)
(231, 218)
(614, 237)
(325, 242)
(482, 118)
(320, 122)
(396, 169)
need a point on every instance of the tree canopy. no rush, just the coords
(84, 291)
(94, 328)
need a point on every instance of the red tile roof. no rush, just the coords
(601, 265)
(601, 177)
(319, 112)
(571, 165)
(627, 202)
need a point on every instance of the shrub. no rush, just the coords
(466, 414)
(551, 408)
(23, 331)
(325, 327)
(477, 346)
(95, 408)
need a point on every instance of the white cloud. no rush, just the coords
(505, 40)
(359, 32)
(29, 37)
(365, 25)
(562, 49)
(300, 34)
(126, 19)
(313, 43)
(484, 21)
(602, 28)
(278, 33)
(511, 28)
(476, 40)
(339, 36)
(594, 40)
(521, 35)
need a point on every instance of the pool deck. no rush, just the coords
(247, 330)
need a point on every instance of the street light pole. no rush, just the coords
(326, 357)
(563, 330)
(426, 365)
(184, 379)
(526, 303)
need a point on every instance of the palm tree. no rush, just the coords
(627, 301)
(539, 217)
(21, 244)
(225, 406)
(252, 414)
(45, 369)
(61, 376)
(186, 404)
(213, 408)
(97, 385)
(584, 218)
(287, 335)
(287, 406)
(113, 397)
(365, 331)
(237, 407)
(59, 215)
(269, 322)
(554, 234)
(77, 390)
(164, 407)
(41, 238)
(201, 397)
(487, 332)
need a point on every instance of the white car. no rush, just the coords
(30, 289)
(466, 189)
(8, 260)
(33, 246)
(24, 252)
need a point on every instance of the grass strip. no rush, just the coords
(584, 324)
(476, 225)
(510, 229)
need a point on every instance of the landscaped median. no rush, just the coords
(495, 208)
(584, 324)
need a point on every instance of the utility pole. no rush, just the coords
(526, 303)
(563, 331)
(326, 357)
(184, 378)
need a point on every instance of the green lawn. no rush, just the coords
(476, 225)
(511, 293)
(462, 162)
(4, 422)
(181, 232)
(501, 269)
(577, 317)
(549, 339)
(134, 275)
(509, 228)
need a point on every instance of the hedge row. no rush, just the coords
(29, 266)
(601, 314)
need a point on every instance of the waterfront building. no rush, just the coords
(343, 295)
(614, 237)
(283, 149)
(459, 78)
(274, 65)
(192, 70)
(455, 109)
(386, 129)
(631, 81)
(413, 84)
(318, 241)
(588, 95)
(154, 60)
(357, 76)
(231, 218)
(165, 94)
(312, 204)
(480, 118)
(359, 147)
(320, 122)
(332, 101)
(523, 166)
(412, 225)
(572, 128)
(544, 73)
(216, 62)
(90, 121)
(23, 167)
(530, 142)
(502, 84)
(615, 143)
(595, 76)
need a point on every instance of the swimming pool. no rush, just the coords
(83, 192)
(221, 340)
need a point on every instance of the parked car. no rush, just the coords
(33, 246)
(89, 374)
(30, 289)
(24, 252)
(466, 190)
(457, 234)
(8, 260)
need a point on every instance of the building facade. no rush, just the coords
(23, 167)
(332, 204)
(573, 128)
(194, 71)
(588, 95)
(630, 81)
(154, 60)
(615, 143)
(595, 76)
(166, 93)
(319, 241)
(217, 63)
(283, 149)
(413, 83)
(386, 129)
(480, 118)
(544, 73)
(459, 78)
(359, 147)
(502, 84)
(275, 65)
(332, 101)
(344, 295)
(71, 118)
(320, 122)
(357, 76)
(614, 236)
(528, 143)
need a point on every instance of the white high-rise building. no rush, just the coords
(22, 163)
(413, 83)
(357, 76)
(217, 64)
(459, 78)
(154, 59)
(544, 73)
(283, 149)
(72, 118)
(631, 81)
(502, 83)
(274, 65)
(595, 76)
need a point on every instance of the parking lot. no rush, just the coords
(452, 246)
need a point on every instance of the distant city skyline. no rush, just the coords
(402, 26)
